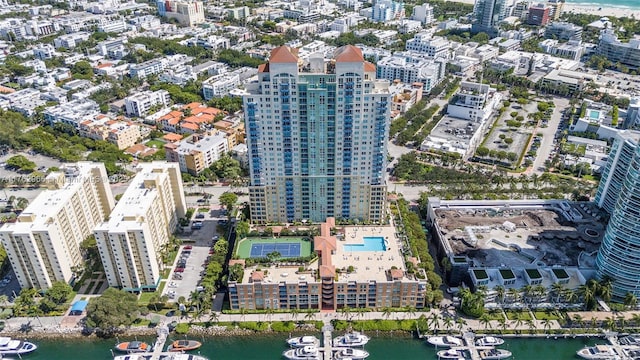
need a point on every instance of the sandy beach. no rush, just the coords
(602, 11)
(587, 9)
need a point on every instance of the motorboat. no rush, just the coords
(599, 352)
(445, 341)
(352, 354)
(302, 341)
(303, 353)
(489, 341)
(8, 346)
(352, 339)
(133, 347)
(184, 345)
(494, 354)
(164, 357)
(452, 354)
(630, 340)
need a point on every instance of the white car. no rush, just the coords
(171, 294)
(173, 284)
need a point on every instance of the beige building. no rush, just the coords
(346, 275)
(122, 134)
(197, 152)
(188, 13)
(43, 246)
(130, 241)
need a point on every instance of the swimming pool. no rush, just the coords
(373, 243)
(594, 114)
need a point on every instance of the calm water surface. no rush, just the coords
(271, 347)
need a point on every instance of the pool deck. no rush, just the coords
(369, 265)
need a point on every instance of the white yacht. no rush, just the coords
(452, 354)
(489, 341)
(599, 352)
(9, 346)
(630, 340)
(164, 357)
(352, 339)
(494, 354)
(351, 354)
(302, 341)
(303, 353)
(445, 341)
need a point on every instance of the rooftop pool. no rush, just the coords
(371, 243)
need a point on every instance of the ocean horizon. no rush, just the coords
(628, 4)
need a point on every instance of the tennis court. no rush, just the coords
(261, 247)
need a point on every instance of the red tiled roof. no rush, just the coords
(349, 53)
(282, 54)
(263, 68)
(257, 276)
(369, 67)
(396, 273)
(172, 137)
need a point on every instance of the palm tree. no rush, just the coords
(622, 322)
(386, 312)
(447, 322)
(531, 325)
(587, 295)
(460, 323)
(310, 316)
(557, 289)
(546, 323)
(503, 323)
(570, 296)
(636, 319)
(485, 320)
(605, 288)
(578, 320)
(294, 313)
(610, 323)
(514, 294)
(500, 291)
(434, 321)
(527, 291)
(411, 311)
(630, 300)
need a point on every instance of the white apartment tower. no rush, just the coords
(131, 240)
(43, 246)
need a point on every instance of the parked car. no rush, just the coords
(200, 216)
(188, 247)
(177, 276)
(179, 270)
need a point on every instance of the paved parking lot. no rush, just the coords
(191, 274)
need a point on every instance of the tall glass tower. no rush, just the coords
(488, 14)
(619, 254)
(317, 133)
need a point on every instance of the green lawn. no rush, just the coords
(244, 246)
(543, 315)
(203, 210)
(158, 144)
(515, 315)
(146, 296)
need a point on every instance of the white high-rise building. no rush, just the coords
(43, 246)
(131, 240)
(317, 133)
(423, 13)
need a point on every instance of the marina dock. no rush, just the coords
(327, 341)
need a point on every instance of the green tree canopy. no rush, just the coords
(228, 199)
(22, 163)
(59, 292)
(113, 309)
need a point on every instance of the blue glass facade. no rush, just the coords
(317, 142)
(619, 254)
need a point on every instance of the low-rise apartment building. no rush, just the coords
(122, 134)
(43, 246)
(197, 152)
(72, 113)
(140, 103)
(188, 13)
(130, 241)
(343, 278)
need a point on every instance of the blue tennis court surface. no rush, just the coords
(285, 249)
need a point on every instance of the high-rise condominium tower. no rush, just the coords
(619, 194)
(317, 137)
(488, 14)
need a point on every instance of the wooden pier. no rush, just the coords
(327, 341)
